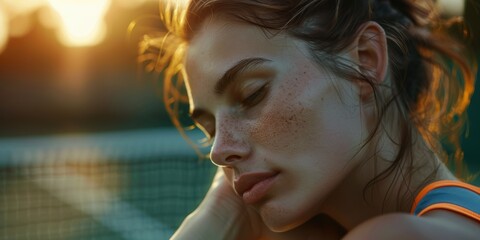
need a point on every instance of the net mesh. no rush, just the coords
(135, 185)
(130, 185)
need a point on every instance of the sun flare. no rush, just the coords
(82, 21)
(3, 30)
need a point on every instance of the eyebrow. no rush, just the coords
(228, 78)
(232, 73)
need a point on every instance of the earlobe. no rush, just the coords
(372, 51)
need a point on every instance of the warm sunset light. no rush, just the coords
(130, 3)
(452, 7)
(23, 7)
(3, 30)
(82, 21)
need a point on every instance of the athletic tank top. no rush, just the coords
(455, 196)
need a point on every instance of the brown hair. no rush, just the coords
(432, 78)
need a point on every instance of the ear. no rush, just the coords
(371, 54)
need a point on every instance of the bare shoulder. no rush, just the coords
(439, 224)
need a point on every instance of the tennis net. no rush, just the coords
(121, 185)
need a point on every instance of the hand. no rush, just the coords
(221, 215)
(222, 202)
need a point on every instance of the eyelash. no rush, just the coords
(255, 97)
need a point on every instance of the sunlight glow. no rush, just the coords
(20, 25)
(452, 7)
(3, 30)
(49, 18)
(22, 7)
(130, 3)
(82, 21)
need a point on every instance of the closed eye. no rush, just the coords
(256, 97)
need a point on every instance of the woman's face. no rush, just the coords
(284, 129)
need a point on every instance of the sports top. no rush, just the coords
(455, 196)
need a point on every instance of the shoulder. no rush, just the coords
(439, 224)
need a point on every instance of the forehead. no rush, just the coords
(220, 38)
(220, 44)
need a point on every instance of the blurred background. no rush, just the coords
(86, 148)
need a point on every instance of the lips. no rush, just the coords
(254, 186)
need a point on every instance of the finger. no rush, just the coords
(228, 174)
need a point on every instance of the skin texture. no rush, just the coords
(287, 115)
(302, 106)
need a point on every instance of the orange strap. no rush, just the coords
(446, 206)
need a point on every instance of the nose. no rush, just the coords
(230, 144)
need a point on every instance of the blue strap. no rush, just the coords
(458, 196)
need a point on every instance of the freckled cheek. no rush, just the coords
(224, 136)
(281, 126)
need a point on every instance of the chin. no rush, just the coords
(281, 219)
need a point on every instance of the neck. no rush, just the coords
(360, 197)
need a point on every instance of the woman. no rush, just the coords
(326, 117)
